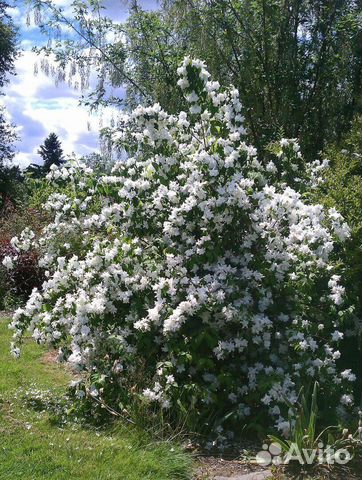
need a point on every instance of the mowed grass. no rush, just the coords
(32, 448)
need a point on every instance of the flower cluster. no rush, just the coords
(197, 260)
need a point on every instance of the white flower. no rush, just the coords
(93, 391)
(15, 351)
(170, 379)
(336, 336)
(347, 400)
(183, 83)
(348, 375)
(8, 262)
(192, 97)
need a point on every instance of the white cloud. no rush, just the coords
(38, 107)
(23, 160)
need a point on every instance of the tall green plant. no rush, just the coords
(307, 439)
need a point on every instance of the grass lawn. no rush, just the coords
(31, 448)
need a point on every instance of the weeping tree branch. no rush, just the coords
(91, 43)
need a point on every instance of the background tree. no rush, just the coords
(7, 138)
(296, 63)
(8, 51)
(10, 175)
(10, 185)
(51, 152)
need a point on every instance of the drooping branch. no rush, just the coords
(58, 13)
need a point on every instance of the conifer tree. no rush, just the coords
(51, 152)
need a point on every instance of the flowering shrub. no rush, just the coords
(196, 261)
(17, 283)
(19, 273)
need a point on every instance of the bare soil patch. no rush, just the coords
(211, 467)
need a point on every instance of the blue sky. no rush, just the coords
(38, 107)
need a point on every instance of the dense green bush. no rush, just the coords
(342, 188)
(342, 185)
